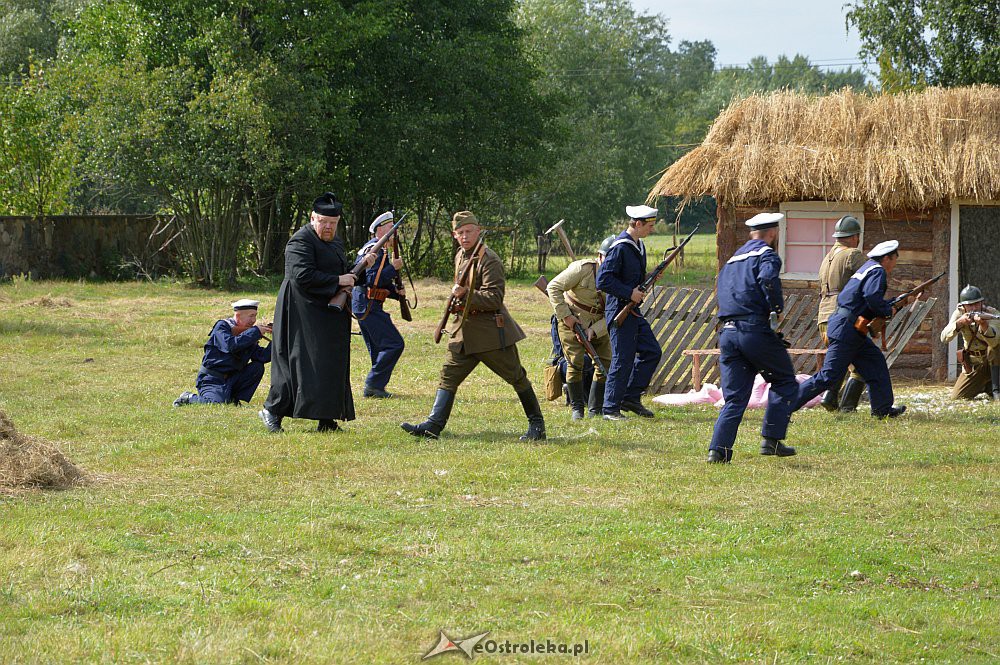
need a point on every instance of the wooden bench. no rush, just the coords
(698, 354)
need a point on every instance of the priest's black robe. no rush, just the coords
(311, 350)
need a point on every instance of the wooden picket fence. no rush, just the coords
(683, 318)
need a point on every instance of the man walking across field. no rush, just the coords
(233, 364)
(864, 295)
(576, 301)
(385, 344)
(979, 327)
(488, 334)
(749, 292)
(310, 373)
(635, 353)
(842, 261)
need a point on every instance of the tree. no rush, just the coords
(936, 42)
(36, 157)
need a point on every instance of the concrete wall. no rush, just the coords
(80, 246)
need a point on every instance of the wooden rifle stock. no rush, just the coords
(627, 310)
(339, 300)
(452, 305)
(239, 330)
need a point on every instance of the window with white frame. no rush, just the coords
(806, 235)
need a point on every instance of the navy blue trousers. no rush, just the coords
(239, 387)
(745, 350)
(635, 353)
(385, 345)
(868, 360)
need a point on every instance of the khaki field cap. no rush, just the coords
(462, 218)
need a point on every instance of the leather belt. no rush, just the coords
(746, 318)
(579, 305)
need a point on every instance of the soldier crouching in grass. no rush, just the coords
(979, 327)
(233, 364)
(487, 333)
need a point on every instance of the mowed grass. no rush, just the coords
(202, 539)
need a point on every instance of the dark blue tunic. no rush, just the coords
(864, 294)
(232, 366)
(385, 344)
(635, 353)
(749, 289)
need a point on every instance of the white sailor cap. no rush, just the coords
(380, 220)
(765, 220)
(246, 303)
(883, 248)
(640, 212)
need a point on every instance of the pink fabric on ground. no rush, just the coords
(711, 394)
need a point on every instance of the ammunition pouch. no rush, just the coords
(377, 294)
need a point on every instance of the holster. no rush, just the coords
(966, 362)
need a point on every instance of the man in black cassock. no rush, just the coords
(311, 349)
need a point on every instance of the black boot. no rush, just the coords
(995, 380)
(637, 408)
(440, 412)
(327, 426)
(532, 409)
(769, 446)
(595, 404)
(716, 456)
(893, 412)
(576, 399)
(852, 395)
(831, 401)
(271, 421)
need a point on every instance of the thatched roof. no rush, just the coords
(890, 152)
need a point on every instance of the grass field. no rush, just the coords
(201, 539)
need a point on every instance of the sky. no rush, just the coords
(743, 29)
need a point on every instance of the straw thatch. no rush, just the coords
(30, 462)
(890, 152)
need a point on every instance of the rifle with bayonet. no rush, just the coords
(875, 326)
(542, 285)
(404, 305)
(651, 279)
(339, 300)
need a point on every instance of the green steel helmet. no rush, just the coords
(846, 227)
(606, 245)
(969, 295)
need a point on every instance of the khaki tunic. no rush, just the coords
(981, 347)
(836, 269)
(578, 283)
(481, 339)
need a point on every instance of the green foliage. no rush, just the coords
(36, 158)
(937, 42)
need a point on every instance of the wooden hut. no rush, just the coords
(921, 167)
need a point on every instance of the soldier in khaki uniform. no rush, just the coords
(982, 345)
(487, 334)
(575, 299)
(842, 261)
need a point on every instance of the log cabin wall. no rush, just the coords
(924, 238)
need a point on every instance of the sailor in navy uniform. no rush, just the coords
(385, 344)
(635, 353)
(233, 364)
(863, 295)
(749, 293)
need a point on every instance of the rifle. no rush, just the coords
(542, 285)
(451, 307)
(339, 299)
(875, 326)
(239, 330)
(653, 277)
(404, 307)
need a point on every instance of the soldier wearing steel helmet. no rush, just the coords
(980, 330)
(842, 261)
(575, 299)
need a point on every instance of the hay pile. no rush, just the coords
(29, 462)
(890, 152)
